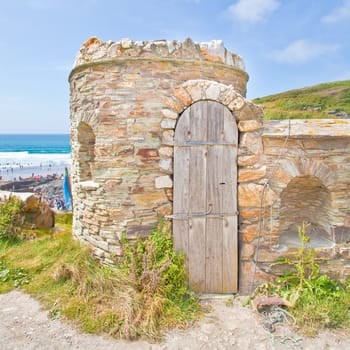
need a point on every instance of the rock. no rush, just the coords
(251, 174)
(260, 302)
(164, 182)
(250, 195)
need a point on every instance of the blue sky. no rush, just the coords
(286, 44)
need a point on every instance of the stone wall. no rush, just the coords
(126, 98)
(308, 179)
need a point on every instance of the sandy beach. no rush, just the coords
(26, 172)
(46, 182)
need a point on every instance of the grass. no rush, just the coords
(118, 300)
(309, 102)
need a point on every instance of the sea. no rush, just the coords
(28, 155)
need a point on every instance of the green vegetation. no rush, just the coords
(309, 102)
(318, 301)
(140, 298)
(11, 218)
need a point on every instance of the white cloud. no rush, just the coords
(252, 11)
(301, 51)
(338, 14)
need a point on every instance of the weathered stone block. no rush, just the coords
(164, 182)
(150, 199)
(249, 125)
(250, 175)
(252, 142)
(253, 195)
(247, 251)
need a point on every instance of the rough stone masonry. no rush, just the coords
(126, 98)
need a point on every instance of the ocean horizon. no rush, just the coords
(28, 155)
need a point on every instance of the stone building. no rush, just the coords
(162, 128)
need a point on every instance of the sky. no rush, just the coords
(286, 44)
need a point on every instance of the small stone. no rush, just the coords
(181, 94)
(169, 114)
(250, 111)
(252, 142)
(164, 182)
(247, 251)
(237, 103)
(249, 125)
(244, 161)
(251, 174)
(168, 137)
(213, 92)
(168, 123)
(166, 151)
(126, 43)
(249, 195)
(166, 164)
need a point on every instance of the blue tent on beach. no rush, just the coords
(67, 191)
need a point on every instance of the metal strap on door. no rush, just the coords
(204, 143)
(208, 214)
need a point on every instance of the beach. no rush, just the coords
(19, 171)
(35, 163)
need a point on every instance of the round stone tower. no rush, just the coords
(126, 98)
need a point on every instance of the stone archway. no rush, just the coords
(305, 200)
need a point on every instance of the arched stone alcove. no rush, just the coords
(305, 200)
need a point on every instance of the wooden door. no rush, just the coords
(205, 196)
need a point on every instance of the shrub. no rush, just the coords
(11, 218)
(318, 301)
(143, 295)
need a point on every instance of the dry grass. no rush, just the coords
(135, 300)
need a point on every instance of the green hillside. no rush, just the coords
(328, 100)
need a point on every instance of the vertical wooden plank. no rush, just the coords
(228, 179)
(183, 128)
(230, 256)
(230, 128)
(214, 251)
(198, 179)
(181, 185)
(198, 121)
(230, 223)
(181, 199)
(215, 121)
(198, 163)
(214, 244)
(196, 262)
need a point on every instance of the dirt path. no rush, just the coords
(24, 325)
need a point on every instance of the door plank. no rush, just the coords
(229, 255)
(198, 179)
(230, 128)
(215, 127)
(198, 121)
(214, 242)
(181, 200)
(196, 260)
(214, 252)
(183, 128)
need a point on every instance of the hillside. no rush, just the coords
(328, 100)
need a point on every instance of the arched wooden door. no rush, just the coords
(205, 196)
